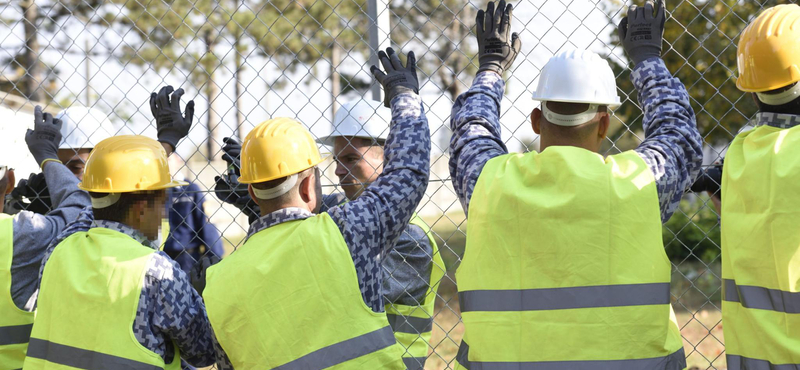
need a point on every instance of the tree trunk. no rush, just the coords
(336, 78)
(239, 87)
(87, 63)
(33, 85)
(212, 93)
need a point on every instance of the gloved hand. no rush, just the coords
(229, 190)
(43, 140)
(496, 50)
(397, 79)
(641, 32)
(198, 272)
(171, 125)
(34, 188)
(232, 150)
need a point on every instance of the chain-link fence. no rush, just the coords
(245, 61)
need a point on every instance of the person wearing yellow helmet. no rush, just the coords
(760, 242)
(107, 297)
(564, 247)
(305, 289)
(25, 236)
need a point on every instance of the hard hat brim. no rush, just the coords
(243, 180)
(330, 139)
(171, 184)
(610, 104)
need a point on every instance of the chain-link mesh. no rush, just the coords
(245, 61)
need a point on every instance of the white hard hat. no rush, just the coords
(578, 76)
(84, 127)
(360, 118)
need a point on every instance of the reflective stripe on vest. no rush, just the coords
(81, 358)
(343, 351)
(302, 306)
(15, 324)
(103, 296)
(564, 250)
(744, 363)
(676, 360)
(761, 249)
(413, 325)
(564, 298)
(761, 298)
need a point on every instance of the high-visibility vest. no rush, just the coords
(290, 298)
(87, 305)
(565, 267)
(15, 324)
(413, 325)
(761, 249)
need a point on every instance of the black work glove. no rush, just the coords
(34, 188)
(231, 152)
(641, 32)
(397, 79)
(709, 180)
(43, 140)
(229, 190)
(198, 272)
(171, 125)
(497, 46)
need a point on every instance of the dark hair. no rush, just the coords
(118, 211)
(792, 107)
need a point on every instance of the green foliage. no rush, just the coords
(692, 234)
(700, 49)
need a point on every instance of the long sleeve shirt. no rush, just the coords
(33, 232)
(190, 227)
(169, 309)
(407, 265)
(672, 147)
(372, 223)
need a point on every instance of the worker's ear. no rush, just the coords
(602, 128)
(536, 118)
(12, 180)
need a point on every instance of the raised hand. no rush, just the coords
(497, 46)
(172, 126)
(642, 30)
(397, 79)
(43, 140)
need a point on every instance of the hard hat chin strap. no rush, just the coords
(569, 120)
(277, 191)
(105, 201)
(780, 98)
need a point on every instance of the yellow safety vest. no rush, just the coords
(289, 298)
(87, 305)
(15, 324)
(565, 267)
(413, 325)
(761, 249)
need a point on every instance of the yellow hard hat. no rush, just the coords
(277, 148)
(769, 50)
(127, 163)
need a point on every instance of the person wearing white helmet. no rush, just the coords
(82, 129)
(413, 268)
(564, 246)
(25, 236)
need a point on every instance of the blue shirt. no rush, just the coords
(189, 227)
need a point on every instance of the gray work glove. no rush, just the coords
(497, 46)
(641, 31)
(171, 125)
(43, 140)
(397, 79)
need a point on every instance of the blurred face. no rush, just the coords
(150, 215)
(358, 164)
(75, 160)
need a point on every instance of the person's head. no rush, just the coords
(127, 177)
(7, 182)
(82, 128)
(768, 58)
(576, 88)
(279, 161)
(360, 128)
